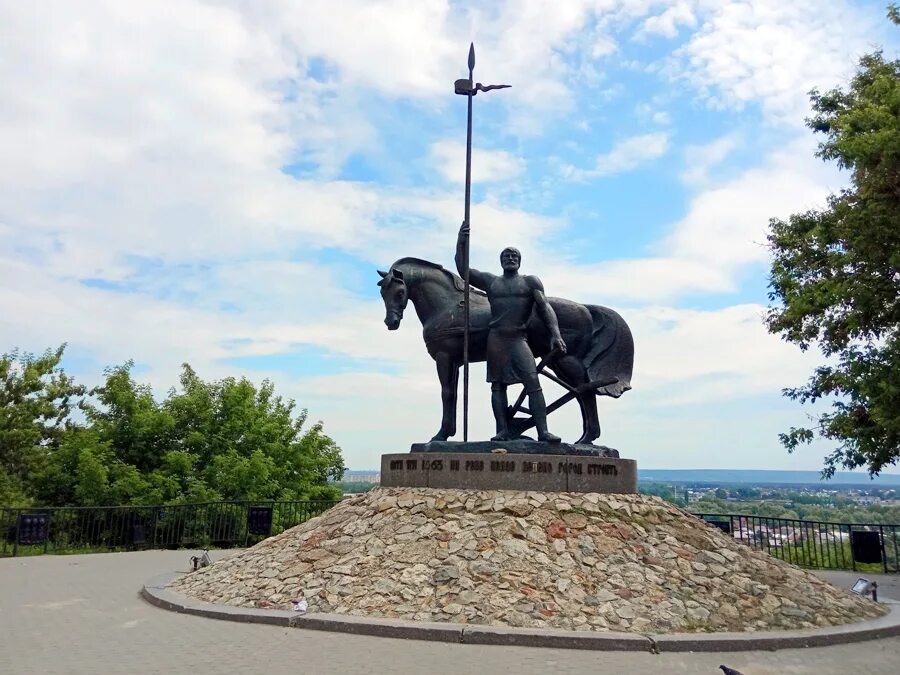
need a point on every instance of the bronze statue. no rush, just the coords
(599, 349)
(512, 298)
(588, 348)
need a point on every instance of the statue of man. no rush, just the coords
(512, 297)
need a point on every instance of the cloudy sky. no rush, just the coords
(217, 182)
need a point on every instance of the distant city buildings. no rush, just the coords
(775, 532)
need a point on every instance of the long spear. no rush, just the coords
(466, 88)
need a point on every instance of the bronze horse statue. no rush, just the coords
(598, 361)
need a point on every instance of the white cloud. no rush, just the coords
(524, 45)
(603, 45)
(772, 52)
(668, 22)
(401, 49)
(625, 155)
(646, 111)
(690, 356)
(721, 234)
(160, 131)
(648, 279)
(700, 159)
(726, 225)
(449, 158)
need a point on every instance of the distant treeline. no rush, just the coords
(355, 487)
(783, 504)
(767, 477)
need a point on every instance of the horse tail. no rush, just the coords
(611, 352)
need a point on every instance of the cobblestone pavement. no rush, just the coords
(82, 614)
(888, 584)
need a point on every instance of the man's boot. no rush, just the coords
(538, 408)
(499, 405)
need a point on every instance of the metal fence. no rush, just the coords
(38, 530)
(33, 531)
(860, 546)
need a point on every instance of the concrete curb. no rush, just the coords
(155, 592)
(871, 629)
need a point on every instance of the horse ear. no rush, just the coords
(398, 275)
(382, 274)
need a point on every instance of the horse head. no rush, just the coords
(395, 296)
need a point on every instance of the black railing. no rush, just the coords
(808, 543)
(37, 530)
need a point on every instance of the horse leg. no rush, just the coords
(588, 401)
(571, 371)
(448, 374)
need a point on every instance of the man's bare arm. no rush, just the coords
(477, 278)
(545, 311)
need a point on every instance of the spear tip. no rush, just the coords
(471, 56)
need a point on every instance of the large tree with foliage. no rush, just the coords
(836, 273)
(36, 401)
(206, 441)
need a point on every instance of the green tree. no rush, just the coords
(36, 401)
(747, 493)
(225, 439)
(355, 487)
(836, 274)
(128, 418)
(85, 471)
(772, 510)
(207, 441)
(250, 443)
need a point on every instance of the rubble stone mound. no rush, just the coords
(529, 559)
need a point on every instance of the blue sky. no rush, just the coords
(216, 183)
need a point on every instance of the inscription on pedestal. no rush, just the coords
(470, 471)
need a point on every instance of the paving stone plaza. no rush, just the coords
(82, 614)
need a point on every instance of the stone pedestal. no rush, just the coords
(506, 471)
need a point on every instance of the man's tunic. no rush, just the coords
(509, 359)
